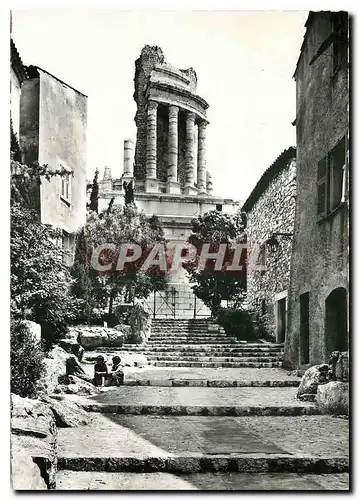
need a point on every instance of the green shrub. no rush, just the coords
(27, 360)
(237, 323)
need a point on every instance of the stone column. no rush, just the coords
(151, 183)
(128, 157)
(201, 158)
(189, 185)
(209, 187)
(172, 186)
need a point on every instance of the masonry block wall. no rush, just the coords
(150, 56)
(271, 209)
(320, 250)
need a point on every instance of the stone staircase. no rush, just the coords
(203, 343)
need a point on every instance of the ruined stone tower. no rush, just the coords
(167, 165)
(168, 112)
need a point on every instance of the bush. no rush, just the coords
(237, 323)
(27, 360)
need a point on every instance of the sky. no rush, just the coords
(244, 62)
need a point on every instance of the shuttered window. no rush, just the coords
(322, 187)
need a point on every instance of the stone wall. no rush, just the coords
(320, 247)
(273, 211)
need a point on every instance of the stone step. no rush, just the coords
(191, 338)
(232, 359)
(214, 354)
(213, 364)
(195, 346)
(204, 349)
(220, 383)
(180, 445)
(189, 341)
(164, 481)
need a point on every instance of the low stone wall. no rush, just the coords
(92, 337)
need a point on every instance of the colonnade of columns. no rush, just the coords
(151, 183)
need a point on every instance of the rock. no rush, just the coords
(307, 397)
(140, 324)
(35, 329)
(55, 365)
(33, 443)
(25, 474)
(342, 367)
(67, 413)
(70, 384)
(313, 377)
(91, 337)
(132, 359)
(333, 398)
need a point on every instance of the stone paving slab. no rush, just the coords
(121, 481)
(155, 436)
(199, 396)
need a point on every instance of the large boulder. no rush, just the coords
(140, 323)
(92, 337)
(55, 365)
(67, 413)
(333, 398)
(132, 359)
(312, 378)
(33, 444)
(71, 384)
(25, 474)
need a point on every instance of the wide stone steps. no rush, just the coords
(213, 364)
(232, 359)
(205, 348)
(187, 341)
(213, 353)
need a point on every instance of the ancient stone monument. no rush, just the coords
(167, 166)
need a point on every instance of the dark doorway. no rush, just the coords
(281, 320)
(336, 321)
(304, 328)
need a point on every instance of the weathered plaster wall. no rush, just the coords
(320, 250)
(53, 131)
(272, 212)
(15, 92)
(63, 120)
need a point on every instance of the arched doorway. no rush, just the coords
(336, 321)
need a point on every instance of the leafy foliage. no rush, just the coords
(40, 283)
(211, 285)
(237, 323)
(27, 360)
(121, 225)
(93, 206)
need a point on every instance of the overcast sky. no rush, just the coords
(244, 63)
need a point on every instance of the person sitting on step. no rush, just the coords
(101, 372)
(116, 376)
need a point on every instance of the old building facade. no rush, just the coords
(270, 220)
(167, 165)
(52, 131)
(318, 291)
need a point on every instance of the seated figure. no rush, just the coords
(101, 372)
(73, 367)
(116, 376)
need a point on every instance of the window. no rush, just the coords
(331, 175)
(67, 245)
(65, 193)
(219, 207)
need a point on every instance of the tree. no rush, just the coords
(93, 206)
(40, 283)
(210, 285)
(122, 225)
